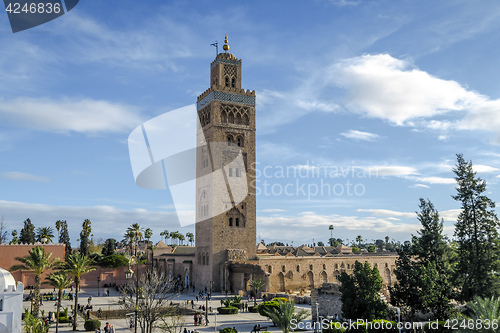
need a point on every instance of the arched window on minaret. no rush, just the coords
(227, 81)
(223, 116)
(239, 141)
(237, 222)
(230, 221)
(207, 258)
(245, 120)
(237, 172)
(229, 140)
(230, 172)
(233, 82)
(203, 258)
(231, 118)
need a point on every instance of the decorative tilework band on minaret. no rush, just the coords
(227, 115)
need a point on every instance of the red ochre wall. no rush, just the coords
(8, 253)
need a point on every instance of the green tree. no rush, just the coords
(190, 237)
(85, 237)
(423, 270)
(27, 235)
(181, 239)
(59, 225)
(476, 232)
(44, 232)
(165, 234)
(482, 310)
(360, 293)
(256, 284)
(64, 238)
(76, 265)
(148, 233)
(14, 240)
(60, 281)
(135, 231)
(109, 247)
(284, 315)
(359, 239)
(39, 262)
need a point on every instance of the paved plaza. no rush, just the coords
(243, 322)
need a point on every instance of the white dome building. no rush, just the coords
(11, 303)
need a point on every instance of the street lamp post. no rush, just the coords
(399, 319)
(317, 315)
(128, 275)
(98, 286)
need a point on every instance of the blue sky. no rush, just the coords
(391, 90)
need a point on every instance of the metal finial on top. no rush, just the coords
(226, 45)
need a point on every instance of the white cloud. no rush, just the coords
(360, 136)
(16, 175)
(69, 115)
(384, 87)
(273, 210)
(421, 185)
(484, 168)
(436, 180)
(351, 223)
(107, 220)
(388, 213)
(391, 170)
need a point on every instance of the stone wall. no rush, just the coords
(328, 299)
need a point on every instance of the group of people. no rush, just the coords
(107, 329)
(200, 319)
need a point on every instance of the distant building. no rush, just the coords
(11, 303)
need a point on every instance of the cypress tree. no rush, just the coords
(477, 235)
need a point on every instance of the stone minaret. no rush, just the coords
(226, 207)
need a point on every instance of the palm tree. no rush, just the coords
(59, 225)
(128, 240)
(59, 280)
(148, 233)
(136, 231)
(77, 265)
(284, 315)
(39, 262)
(174, 235)
(256, 284)
(181, 239)
(45, 232)
(165, 234)
(359, 239)
(190, 237)
(483, 310)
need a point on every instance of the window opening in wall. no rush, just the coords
(311, 267)
(237, 172)
(230, 221)
(298, 268)
(233, 82)
(239, 142)
(283, 268)
(227, 81)
(237, 222)
(230, 172)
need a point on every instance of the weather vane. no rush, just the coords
(216, 47)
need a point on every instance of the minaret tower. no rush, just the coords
(226, 219)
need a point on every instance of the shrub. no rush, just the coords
(227, 310)
(334, 329)
(114, 261)
(264, 308)
(283, 299)
(253, 309)
(92, 324)
(228, 330)
(63, 320)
